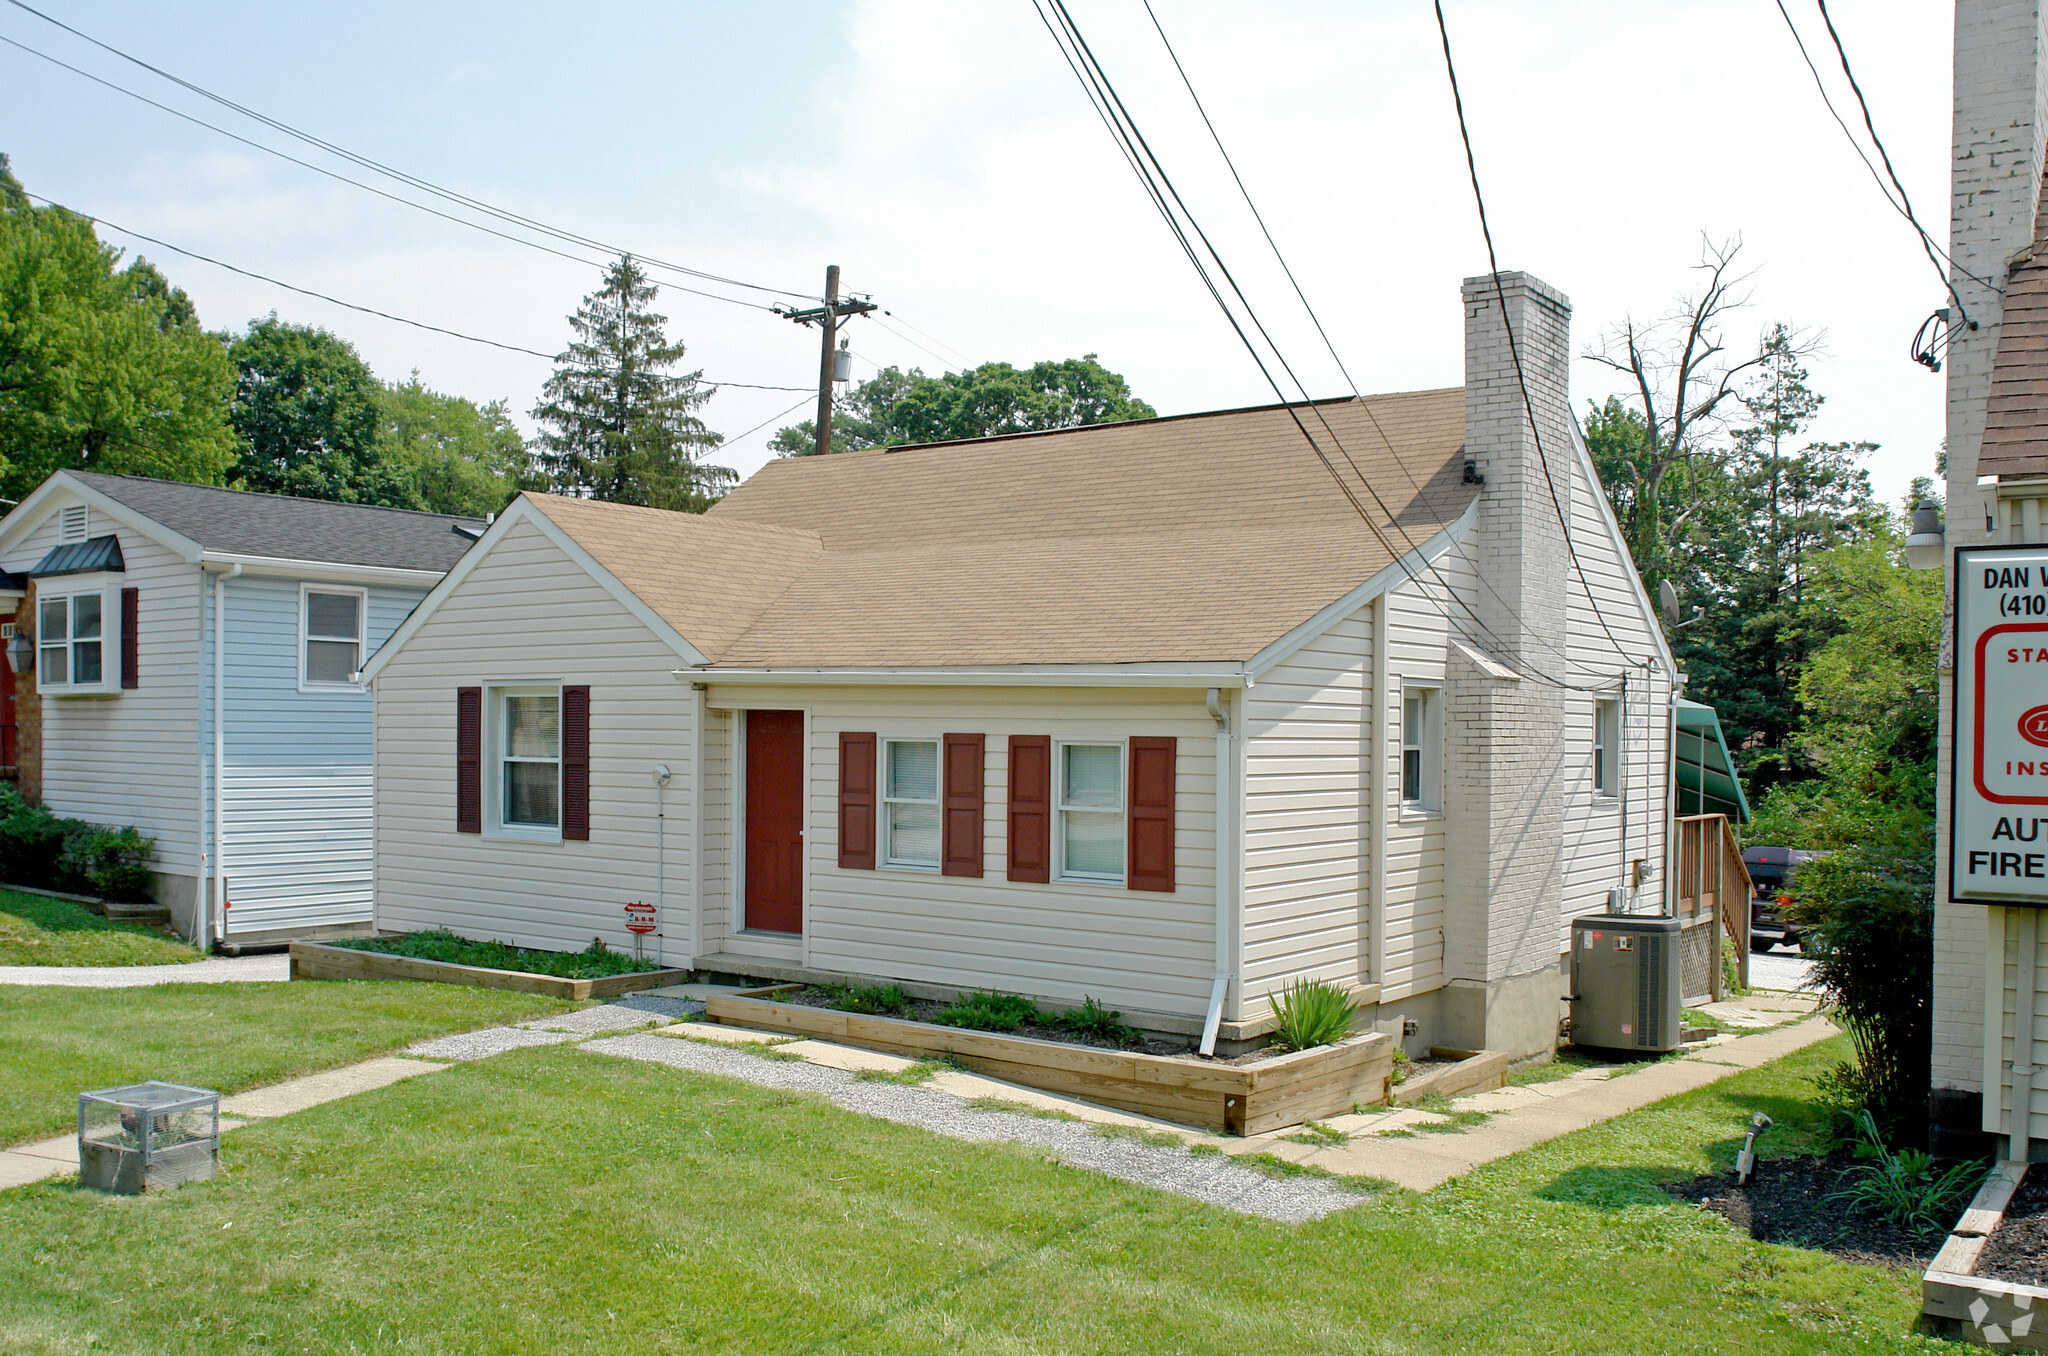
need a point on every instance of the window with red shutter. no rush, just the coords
(131, 653)
(469, 760)
(1149, 815)
(1031, 808)
(857, 801)
(965, 758)
(576, 763)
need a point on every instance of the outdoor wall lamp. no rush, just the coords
(1924, 549)
(21, 653)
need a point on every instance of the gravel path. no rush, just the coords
(1785, 970)
(1213, 1179)
(212, 970)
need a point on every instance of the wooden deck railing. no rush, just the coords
(1713, 881)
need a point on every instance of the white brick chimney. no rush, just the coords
(1504, 793)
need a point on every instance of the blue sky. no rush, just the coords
(940, 153)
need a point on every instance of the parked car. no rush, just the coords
(1771, 870)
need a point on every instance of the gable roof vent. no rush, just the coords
(73, 524)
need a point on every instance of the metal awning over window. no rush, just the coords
(81, 557)
(1707, 784)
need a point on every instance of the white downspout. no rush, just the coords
(201, 919)
(661, 777)
(220, 744)
(1376, 795)
(1219, 980)
(700, 719)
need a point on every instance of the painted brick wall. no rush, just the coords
(2001, 107)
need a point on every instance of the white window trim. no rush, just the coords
(1430, 804)
(887, 857)
(495, 759)
(308, 685)
(1608, 788)
(68, 587)
(1060, 807)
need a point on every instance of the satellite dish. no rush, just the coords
(1667, 602)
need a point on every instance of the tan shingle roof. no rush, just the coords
(2015, 443)
(1200, 538)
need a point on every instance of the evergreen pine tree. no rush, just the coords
(616, 422)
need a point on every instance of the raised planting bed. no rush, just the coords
(1986, 1285)
(313, 960)
(1460, 1072)
(1246, 1096)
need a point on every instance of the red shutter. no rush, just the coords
(857, 802)
(576, 763)
(1031, 808)
(469, 760)
(965, 761)
(131, 661)
(1149, 830)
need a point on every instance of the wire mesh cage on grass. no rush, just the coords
(147, 1135)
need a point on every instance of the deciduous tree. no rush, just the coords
(456, 456)
(897, 407)
(306, 407)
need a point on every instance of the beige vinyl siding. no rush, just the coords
(1061, 941)
(527, 613)
(1419, 633)
(1602, 835)
(1307, 836)
(132, 758)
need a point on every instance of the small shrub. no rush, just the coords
(1097, 1022)
(111, 863)
(987, 1010)
(1310, 1013)
(874, 1000)
(1904, 1189)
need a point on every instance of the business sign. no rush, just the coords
(1998, 839)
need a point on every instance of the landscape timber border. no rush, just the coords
(1243, 1099)
(310, 960)
(1959, 1303)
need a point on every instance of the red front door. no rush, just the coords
(775, 821)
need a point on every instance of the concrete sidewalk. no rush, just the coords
(213, 970)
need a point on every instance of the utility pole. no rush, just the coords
(827, 318)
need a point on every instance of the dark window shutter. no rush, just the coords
(857, 802)
(1149, 830)
(131, 658)
(576, 763)
(1031, 808)
(469, 760)
(965, 757)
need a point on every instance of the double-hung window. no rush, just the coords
(526, 727)
(71, 637)
(1091, 812)
(910, 793)
(1606, 747)
(330, 637)
(1421, 748)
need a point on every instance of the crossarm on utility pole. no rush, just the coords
(827, 318)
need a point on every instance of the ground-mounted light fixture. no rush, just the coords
(1926, 547)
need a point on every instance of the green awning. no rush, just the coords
(1707, 784)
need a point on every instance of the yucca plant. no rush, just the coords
(1309, 1013)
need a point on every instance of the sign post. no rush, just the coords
(1998, 824)
(640, 918)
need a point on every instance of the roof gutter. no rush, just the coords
(322, 569)
(1037, 676)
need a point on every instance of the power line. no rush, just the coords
(337, 301)
(353, 183)
(402, 176)
(1514, 351)
(1159, 187)
(728, 442)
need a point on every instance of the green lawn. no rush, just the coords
(58, 1042)
(38, 930)
(557, 1201)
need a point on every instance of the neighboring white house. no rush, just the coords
(1167, 713)
(133, 586)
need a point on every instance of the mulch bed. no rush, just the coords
(2017, 1250)
(924, 1009)
(1786, 1202)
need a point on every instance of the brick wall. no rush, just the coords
(1995, 182)
(1504, 750)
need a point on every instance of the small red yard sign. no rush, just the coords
(640, 918)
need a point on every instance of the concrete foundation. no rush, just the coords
(1518, 1015)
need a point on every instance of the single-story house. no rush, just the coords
(195, 660)
(1167, 713)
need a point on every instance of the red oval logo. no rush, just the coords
(2034, 726)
